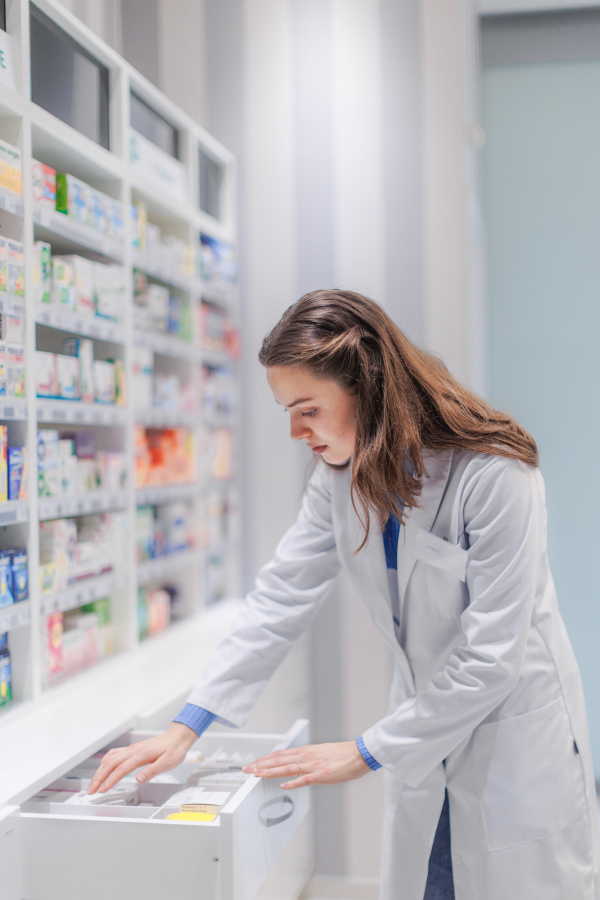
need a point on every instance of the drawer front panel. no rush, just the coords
(74, 858)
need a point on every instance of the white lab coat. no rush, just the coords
(484, 677)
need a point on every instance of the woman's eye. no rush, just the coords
(311, 412)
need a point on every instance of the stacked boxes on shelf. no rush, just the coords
(218, 263)
(161, 390)
(69, 465)
(10, 167)
(5, 671)
(13, 469)
(77, 639)
(164, 456)
(157, 608)
(168, 254)
(160, 311)
(14, 576)
(12, 326)
(77, 284)
(75, 549)
(76, 375)
(164, 529)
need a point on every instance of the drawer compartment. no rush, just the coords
(127, 847)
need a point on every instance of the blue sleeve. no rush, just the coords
(370, 761)
(195, 717)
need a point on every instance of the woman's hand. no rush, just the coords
(158, 754)
(312, 764)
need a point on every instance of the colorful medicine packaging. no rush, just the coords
(12, 328)
(43, 184)
(42, 272)
(67, 377)
(62, 292)
(73, 198)
(15, 261)
(10, 167)
(83, 284)
(48, 463)
(15, 371)
(83, 349)
(5, 672)
(6, 593)
(17, 473)
(3, 463)
(20, 574)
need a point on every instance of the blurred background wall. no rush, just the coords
(440, 156)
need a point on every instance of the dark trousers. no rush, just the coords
(440, 884)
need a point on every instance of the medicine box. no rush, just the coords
(15, 371)
(2, 369)
(20, 575)
(17, 473)
(115, 226)
(3, 463)
(73, 198)
(45, 374)
(42, 272)
(12, 328)
(10, 167)
(97, 210)
(15, 283)
(83, 349)
(6, 594)
(62, 290)
(3, 264)
(47, 464)
(104, 381)
(5, 679)
(67, 377)
(83, 284)
(43, 184)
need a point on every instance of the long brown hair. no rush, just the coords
(407, 400)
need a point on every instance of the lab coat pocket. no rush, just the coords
(445, 572)
(530, 778)
(441, 554)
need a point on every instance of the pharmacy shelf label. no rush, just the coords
(78, 594)
(15, 616)
(89, 326)
(99, 501)
(69, 228)
(167, 566)
(145, 263)
(9, 201)
(165, 418)
(166, 346)
(77, 413)
(13, 511)
(12, 304)
(13, 409)
(151, 496)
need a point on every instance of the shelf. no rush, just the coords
(166, 418)
(146, 264)
(77, 413)
(15, 616)
(215, 358)
(85, 591)
(165, 345)
(169, 493)
(12, 304)
(83, 505)
(13, 409)
(11, 202)
(13, 511)
(167, 566)
(63, 226)
(89, 326)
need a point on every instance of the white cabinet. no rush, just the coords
(73, 852)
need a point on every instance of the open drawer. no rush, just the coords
(132, 849)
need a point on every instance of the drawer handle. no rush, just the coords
(267, 820)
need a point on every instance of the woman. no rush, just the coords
(433, 504)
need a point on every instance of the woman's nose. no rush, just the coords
(299, 430)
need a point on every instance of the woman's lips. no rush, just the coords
(320, 449)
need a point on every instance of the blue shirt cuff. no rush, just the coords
(370, 761)
(196, 718)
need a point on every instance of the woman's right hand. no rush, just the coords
(158, 754)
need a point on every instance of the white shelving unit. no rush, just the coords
(115, 172)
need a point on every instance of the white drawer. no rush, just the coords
(121, 853)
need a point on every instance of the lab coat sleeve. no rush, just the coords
(502, 519)
(288, 593)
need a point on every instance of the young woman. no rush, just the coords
(433, 504)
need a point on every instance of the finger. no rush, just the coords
(125, 768)
(104, 769)
(298, 782)
(162, 764)
(295, 753)
(278, 772)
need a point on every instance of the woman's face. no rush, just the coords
(321, 413)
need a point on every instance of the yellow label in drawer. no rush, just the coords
(191, 817)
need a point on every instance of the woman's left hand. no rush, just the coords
(312, 764)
